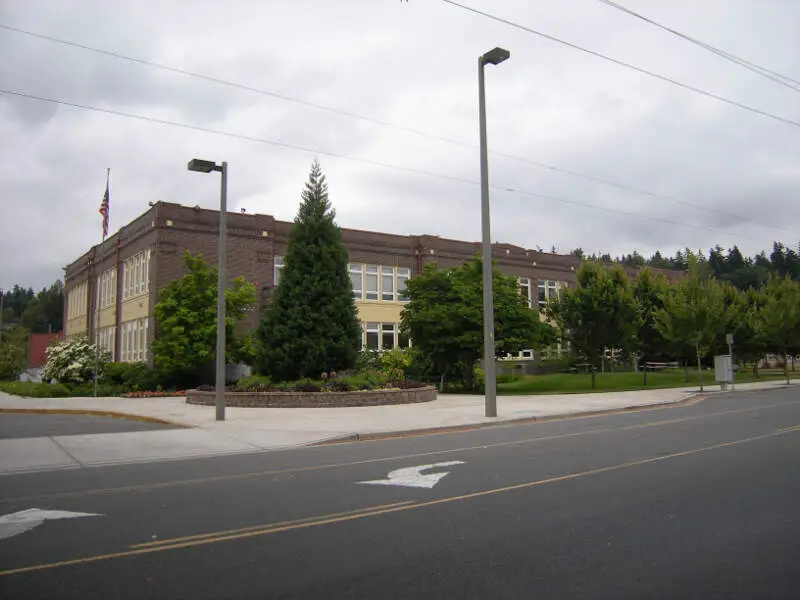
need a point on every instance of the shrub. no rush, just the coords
(134, 377)
(73, 361)
(307, 385)
(368, 360)
(262, 381)
(409, 384)
(34, 390)
(338, 385)
(395, 362)
(85, 390)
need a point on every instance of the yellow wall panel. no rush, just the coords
(378, 312)
(136, 308)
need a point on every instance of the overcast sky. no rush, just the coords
(412, 64)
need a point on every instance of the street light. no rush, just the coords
(206, 166)
(493, 57)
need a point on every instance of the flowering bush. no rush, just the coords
(73, 361)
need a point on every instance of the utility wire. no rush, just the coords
(621, 63)
(367, 161)
(382, 123)
(784, 80)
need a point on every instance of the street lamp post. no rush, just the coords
(206, 166)
(493, 57)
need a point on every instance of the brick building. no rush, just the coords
(122, 276)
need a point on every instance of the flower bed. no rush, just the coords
(325, 399)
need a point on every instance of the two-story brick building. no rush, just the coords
(122, 276)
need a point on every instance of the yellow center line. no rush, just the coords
(329, 519)
(322, 467)
(265, 526)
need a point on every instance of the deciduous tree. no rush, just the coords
(598, 313)
(444, 318)
(186, 321)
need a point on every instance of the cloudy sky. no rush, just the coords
(733, 176)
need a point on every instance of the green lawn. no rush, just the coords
(564, 383)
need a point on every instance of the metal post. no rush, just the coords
(221, 281)
(486, 246)
(730, 353)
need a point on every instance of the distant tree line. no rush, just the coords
(40, 312)
(651, 319)
(729, 266)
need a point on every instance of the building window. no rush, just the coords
(542, 294)
(136, 275)
(387, 336)
(552, 290)
(146, 276)
(357, 280)
(525, 289)
(279, 264)
(146, 342)
(403, 276)
(387, 284)
(373, 336)
(372, 282)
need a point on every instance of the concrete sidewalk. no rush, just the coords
(260, 429)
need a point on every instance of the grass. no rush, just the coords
(565, 383)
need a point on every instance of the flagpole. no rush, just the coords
(99, 287)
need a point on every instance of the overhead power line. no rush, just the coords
(784, 80)
(361, 160)
(382, 123)
(621, 63)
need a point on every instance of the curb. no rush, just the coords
(369, 437)
(92, 413)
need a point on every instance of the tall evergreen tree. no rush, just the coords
(310, 325)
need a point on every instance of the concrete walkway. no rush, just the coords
(259, 429)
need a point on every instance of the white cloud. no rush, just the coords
(413, 64)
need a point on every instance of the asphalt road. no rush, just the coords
(27, 425)
(693, 502)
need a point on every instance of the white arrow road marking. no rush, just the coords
(413, 477)
(25, 520)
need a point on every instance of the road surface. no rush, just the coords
(22, 425)
(700, 501)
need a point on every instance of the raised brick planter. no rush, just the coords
(315, 399)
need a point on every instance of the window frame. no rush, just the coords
(372, 272)
(358, 270)
(403, 274)
(373, 328)
(388, 328)
(389, 272)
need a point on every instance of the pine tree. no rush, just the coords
(311, 324)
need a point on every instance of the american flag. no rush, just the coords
(104, 206)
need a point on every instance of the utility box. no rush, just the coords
(722, 370)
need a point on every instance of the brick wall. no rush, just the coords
(254, 240)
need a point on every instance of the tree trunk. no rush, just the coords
(686, 371)
(594, 384)
(468, 382)
(786, 365)
(699, 368)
